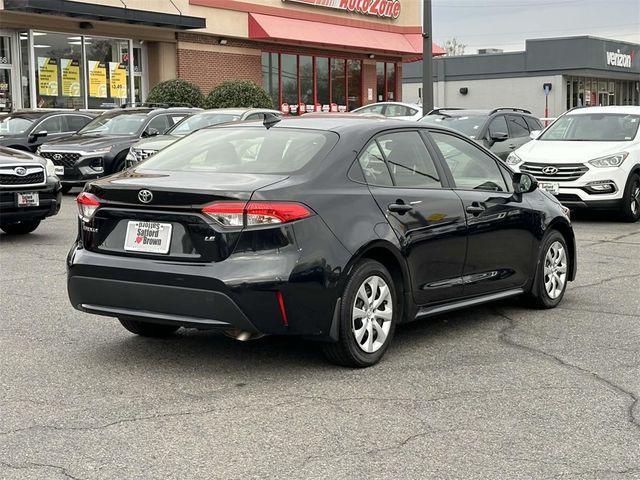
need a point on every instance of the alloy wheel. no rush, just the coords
(635, 198)
(555, 270)
(372, 314)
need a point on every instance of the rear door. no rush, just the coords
(500, 224)
(426, 216)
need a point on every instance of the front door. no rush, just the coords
(500, 224)
(8, 94)
(427, 217)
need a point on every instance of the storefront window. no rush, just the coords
(107, 72)
(355, 84)
(270, 76)
(58, 75)
(306, 80)
(381, 82)
(584, 91)
(24, 70)
(338, 79)
(391, 82)
(289, 66)
(315, 82)
(322, 82)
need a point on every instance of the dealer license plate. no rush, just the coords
(59, 169)
(28, 199)
(551, 187)
(148, 237)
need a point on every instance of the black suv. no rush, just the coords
(101, 147)
(27, 130)
(29, 191)
(501, 130)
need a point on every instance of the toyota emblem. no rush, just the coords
(57, 156)
(20, 171)
(145, 196)
(550, 170)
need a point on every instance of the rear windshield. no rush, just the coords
(243, 150)
(202, 120)
(593, 127)
(468, 124)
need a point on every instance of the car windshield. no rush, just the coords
(468, 124)
(11, 125)
(243, 150)
(115, 124)
(196, 122)
(593, 127)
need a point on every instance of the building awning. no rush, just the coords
(92, 11)
(269, 27)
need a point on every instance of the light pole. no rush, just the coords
(427, 58)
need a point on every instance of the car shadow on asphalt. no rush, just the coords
(211, 351)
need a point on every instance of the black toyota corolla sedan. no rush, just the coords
(335, 229)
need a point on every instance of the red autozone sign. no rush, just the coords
(379, 8)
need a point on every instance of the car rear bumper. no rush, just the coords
(49, 197)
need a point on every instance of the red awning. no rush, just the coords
(268, 27)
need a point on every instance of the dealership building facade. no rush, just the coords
(576, 71)
(308, 54)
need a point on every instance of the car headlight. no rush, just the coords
(610, 160)
(100, 150)
(51, 169)
(513, 159)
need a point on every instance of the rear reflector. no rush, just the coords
(238, 214)
(87, 205)
(283, 311)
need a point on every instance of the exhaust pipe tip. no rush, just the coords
(243, 335)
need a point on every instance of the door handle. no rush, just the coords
(399, 208)
(475, 209)
(512, 147)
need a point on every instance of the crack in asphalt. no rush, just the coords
(586, 310)
(503, 336)
(31, 465)
(597, 471)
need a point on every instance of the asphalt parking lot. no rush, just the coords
(493, 392)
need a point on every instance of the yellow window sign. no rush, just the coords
(118, 76)
(47, 76)
(97, 79)
(70, 77)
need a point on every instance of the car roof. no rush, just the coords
(461, 112)
(622, 109)
(336, 123)
(236, 111)
(404, 104)
(35, 114)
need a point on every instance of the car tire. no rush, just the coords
(552, 272)
(20, 228)
(66, 189)
(631, 200)
(369, 292)
(148, 329)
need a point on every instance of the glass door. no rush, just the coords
(7, 97)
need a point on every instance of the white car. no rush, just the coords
(589, 158)
(397, 110)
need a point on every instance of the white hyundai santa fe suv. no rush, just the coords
(589, 158)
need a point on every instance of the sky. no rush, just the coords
(506, 24)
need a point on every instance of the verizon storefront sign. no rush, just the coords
(378, 8)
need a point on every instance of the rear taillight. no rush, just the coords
(240, 214)
(87, 205)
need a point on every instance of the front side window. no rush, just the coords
(517, 126)
(397, 111)
(374, 167)
(471, 168)
(158, 123)
(498, 126)
(52, 125)
(468, 124)
(250, 150)
(593, 127)
(409, 160)
(115, 124)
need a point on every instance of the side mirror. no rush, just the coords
(535, 134)
(151, 132)
(524, 183)
(34, 136)
(498, 137)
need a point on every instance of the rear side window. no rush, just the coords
(244, 150)
(517, 126)
(374, 167)
(409, 160)
(76, 122)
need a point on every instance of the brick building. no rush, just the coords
(308, 54)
